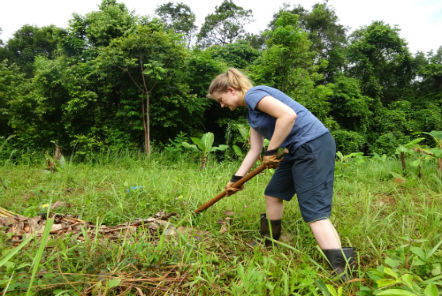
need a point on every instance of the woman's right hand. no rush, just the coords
(232, 190)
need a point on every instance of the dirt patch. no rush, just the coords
(385, 199)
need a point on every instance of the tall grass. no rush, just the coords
(394, 224)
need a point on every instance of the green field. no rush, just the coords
(394, 223)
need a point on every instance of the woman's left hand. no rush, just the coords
(271, 161)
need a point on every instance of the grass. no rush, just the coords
(393, 223)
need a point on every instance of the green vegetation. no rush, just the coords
(394, 222)
(204, 146)
(116, 80)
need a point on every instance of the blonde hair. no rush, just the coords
(232, 78)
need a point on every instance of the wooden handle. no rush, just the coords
(237, 184)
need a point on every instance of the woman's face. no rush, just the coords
(229, 99)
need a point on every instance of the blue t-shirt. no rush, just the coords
(306, 128)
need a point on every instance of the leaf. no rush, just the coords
(408, 280)
(207, 140)
(401, 148)
(437, 152)
(59, 204)
(437, 136)
(431, 290)
(434, 249)
(114, 283)
(223, 229)
(418, 252)
(332, 290)
(243, 130)
(396, 292)
(436, 269)
(39, 254)
(322, 286)
(189, 146)
(390, 272)
(392, 262)
(220, 148)
(396, 176)
(198, 143)
(415, 163)
(229, 213)
(385, 282)
(414, 142)
(340, 155)
(237, 151)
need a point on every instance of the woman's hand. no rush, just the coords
(271, 161)
(232, 190)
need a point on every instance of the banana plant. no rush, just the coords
(244, 141)
(404, 149)
(429, 153)
(437, 151)
(204, 146)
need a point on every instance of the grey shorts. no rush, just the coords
(307, 172)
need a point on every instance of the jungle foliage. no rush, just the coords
(115, 80)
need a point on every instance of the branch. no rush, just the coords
(142, 74)
(420, 150)
(132, 79)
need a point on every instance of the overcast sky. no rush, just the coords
(420, 21)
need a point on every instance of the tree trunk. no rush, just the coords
(204, 159)
(403, 162)
(145, 109)
(147, 135)
(146, 123)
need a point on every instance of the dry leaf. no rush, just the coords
(59, 204)
(223, 229)
(398, 180)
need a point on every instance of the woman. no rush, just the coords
(307, 169)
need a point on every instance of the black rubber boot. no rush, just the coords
(341, 260)
(265, 230)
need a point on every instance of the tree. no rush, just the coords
(3, 53)
(428, 89)
(287, 61)
(380, 60)
(13, 86)
(238, 54)
(152, 59)
(178, 17)
(225, 25)
(328, 38)
(29, 42)
(37, 115)
(348, 106)
(113, 20)
(288, 65)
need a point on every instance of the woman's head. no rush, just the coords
(233, 78)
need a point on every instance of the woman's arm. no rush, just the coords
(256, 142)
(285, 119)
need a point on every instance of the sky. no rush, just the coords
(419, 21)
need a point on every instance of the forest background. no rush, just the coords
(112, 80)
